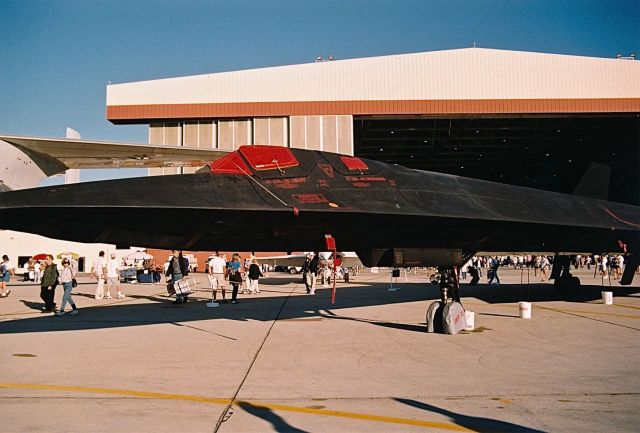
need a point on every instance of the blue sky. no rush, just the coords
(58, 56)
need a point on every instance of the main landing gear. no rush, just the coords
(446, 316)
(561, 274)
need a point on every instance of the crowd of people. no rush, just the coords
(607, 265)
(222, 273)
(243, 275)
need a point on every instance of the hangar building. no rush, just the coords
(525, 118)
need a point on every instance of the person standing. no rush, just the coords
(178, 268)
(48, 285)
(305, 272)
(6, 270)
(253, 275)
(113, 276)
(604, 265)
(494, 264)
(99, 270)
(313, 272)
(217, 267)
(620, 266)
(66, 279)
(37, 268)
(235, 271)
(544, 265)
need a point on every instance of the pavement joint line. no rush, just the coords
(590, 318)
(627, 306)
(240, 403)
(600, 313)
(224, 416)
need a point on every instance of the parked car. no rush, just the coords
(290, 269)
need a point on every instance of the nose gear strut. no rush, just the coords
(446, 316)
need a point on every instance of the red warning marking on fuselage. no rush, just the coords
(629, 223)
(310, 198)
(327, 168)
(289, 183)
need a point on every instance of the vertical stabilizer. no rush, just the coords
(595, 182)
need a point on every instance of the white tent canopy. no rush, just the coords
(138, 255)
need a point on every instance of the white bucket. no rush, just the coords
(525, 310)
(470, 318)
(607, 298)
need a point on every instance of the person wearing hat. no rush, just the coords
(113, 276)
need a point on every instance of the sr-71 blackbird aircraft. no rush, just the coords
(284, 199)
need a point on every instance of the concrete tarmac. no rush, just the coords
(284, 361)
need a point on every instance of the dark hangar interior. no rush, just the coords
(550, 152)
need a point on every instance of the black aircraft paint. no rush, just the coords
(263, 198)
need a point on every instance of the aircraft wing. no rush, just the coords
(55, 156)
(288, 260)
(349, 259)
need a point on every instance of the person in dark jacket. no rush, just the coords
(312, 273)
(494, 264)
(177, 270)
(48, 285)
(305, 272)
(254, 275)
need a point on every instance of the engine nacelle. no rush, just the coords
(410, 257)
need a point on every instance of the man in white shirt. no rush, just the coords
(113, 276)
(98, 270)
(217, 268)
(36, 272)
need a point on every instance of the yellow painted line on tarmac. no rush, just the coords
(240, 403)
(360, 416)
(114, 391)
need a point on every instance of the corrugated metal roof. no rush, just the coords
(468, 74)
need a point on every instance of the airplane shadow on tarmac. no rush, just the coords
(123, 313)
(278, 423)
(476, 424)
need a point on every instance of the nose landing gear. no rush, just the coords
(446, 316)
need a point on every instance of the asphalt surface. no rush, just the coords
(285, 361)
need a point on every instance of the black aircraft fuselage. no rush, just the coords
(263, 198)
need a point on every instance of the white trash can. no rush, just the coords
(470, 318)
(607, 298)
(525, 310)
